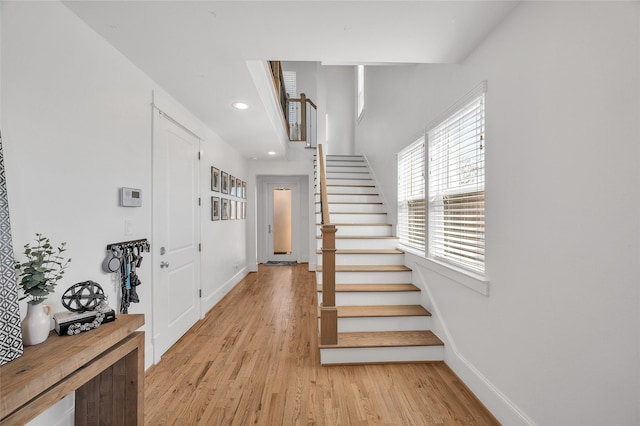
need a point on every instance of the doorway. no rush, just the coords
(283, 218)
(283, 212)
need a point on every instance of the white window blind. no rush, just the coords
(456, 213)
(360, 90)
(290, 86)
(411, 196)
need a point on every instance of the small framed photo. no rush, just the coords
(232, 210)
(224, 213)
(215, 179)
(215, 208)
(224, 182)
(244, 189)
(232, 185)
(238, 187)
(244, 209)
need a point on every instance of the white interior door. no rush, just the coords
(176, 231)
(283, 216)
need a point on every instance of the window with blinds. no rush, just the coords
(456, 215)
(360, 79)
(411, 196)
(290, 83)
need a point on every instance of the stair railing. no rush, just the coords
(299, 114)
(302, 120)
(328, 310)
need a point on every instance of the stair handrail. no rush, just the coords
(328, 310)
(304, 130)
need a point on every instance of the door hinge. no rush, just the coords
(199, 201)
(199, 155)
(200, 293)
(199, 246)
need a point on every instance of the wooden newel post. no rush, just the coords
(328, 310)
(303, 117)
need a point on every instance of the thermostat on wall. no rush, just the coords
(130, 197)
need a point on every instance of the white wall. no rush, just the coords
(76, 126)
(557, 341)
(339, 87)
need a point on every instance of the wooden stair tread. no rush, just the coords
(371, 311)
(346, 185)
(336, 213)
(360, 237)
(349, 194)
(372, 288)
(357, 224)
(351, 202)
(364, 251)
(345, 178)
(368, 268)
(373, 339)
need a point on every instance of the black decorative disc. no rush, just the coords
(84, 296)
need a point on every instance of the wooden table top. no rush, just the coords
(42, 366)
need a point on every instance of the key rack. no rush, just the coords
(143, 244)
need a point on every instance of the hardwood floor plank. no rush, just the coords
(254, 359)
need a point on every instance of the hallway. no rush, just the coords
(254, 360)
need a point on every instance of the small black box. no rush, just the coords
(70, 323)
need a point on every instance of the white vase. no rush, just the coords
(36, 325)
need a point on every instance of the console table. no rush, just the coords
(104, 366)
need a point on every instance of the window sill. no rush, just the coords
(468, 279)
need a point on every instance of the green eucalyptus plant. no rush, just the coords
(42, 270)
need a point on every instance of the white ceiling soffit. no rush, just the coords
(198, 50)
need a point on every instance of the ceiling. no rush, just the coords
(199, 51)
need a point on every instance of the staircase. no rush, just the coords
(380, 318)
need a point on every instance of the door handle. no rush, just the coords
(164, 264)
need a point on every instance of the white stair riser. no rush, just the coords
(370, 277)
(353, 198)
(331, 163)
(343, 181)
(379, 355)
(355, 218)
(352, 243)
(332, 189)
(347, 325)
(342, 158)
(353, 208)
(348, 175)
(366, 259)
(365, 230)
(369, 298)
(331, 168)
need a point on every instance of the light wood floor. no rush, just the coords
(254, 360)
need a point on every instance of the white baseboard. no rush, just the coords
(505, 410)
(211, 300)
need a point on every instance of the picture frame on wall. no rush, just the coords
(215, 208)
(243, 206)
(244, 190)
(232, 185)
(224, 182)
(224, 212)
(238, 187)
(215, 179)
(232, 209)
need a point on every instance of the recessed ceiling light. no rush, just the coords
(271, 153)
(240, 105)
